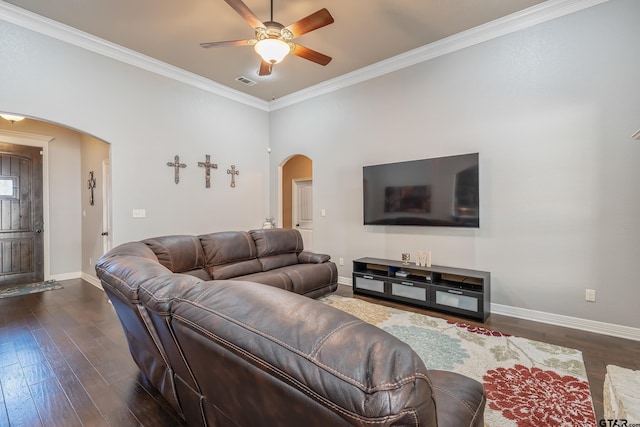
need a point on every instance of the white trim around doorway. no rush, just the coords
(42, 141)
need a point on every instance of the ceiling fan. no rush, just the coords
(273, 40)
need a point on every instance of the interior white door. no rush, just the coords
(302, 206)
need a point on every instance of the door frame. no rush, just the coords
(294, 197)
(41, 141)
(295, 200)
(107, 241)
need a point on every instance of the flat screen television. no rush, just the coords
(442, 192)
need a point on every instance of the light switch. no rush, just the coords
(323, 212)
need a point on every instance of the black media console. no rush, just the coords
(454, 290)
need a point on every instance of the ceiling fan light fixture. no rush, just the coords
(272, 50)
(11, 117)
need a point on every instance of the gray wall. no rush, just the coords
(551, 110)
(147, 119)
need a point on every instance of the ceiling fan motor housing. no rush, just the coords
(273, 30)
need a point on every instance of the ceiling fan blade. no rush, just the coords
(311, 55)
(312, 22)
(229, 43)
(245, 12)
(265, 68)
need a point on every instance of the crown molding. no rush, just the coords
(56, 30)
(526, 18)
(543, 12)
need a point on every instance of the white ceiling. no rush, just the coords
(364, 33)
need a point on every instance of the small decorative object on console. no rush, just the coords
(423, 258)
(269, 223)
(402, 273)
(405, 258)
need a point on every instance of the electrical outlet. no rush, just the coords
(341, 261)
(590, 295)
(139, 213)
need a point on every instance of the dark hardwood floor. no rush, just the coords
(64, 360)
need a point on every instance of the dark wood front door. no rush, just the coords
(21, 224)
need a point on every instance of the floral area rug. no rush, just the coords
(31, 288)
(528, 383)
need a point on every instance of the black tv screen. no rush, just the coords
(442, 191)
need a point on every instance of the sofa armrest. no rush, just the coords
(306, 257)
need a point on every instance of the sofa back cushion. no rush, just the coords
(243, 338)
(277, 247)
(180, 254)
(229, 254)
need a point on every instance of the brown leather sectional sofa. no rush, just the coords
(224, 349)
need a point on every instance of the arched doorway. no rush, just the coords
(72, 237)
(297, 196)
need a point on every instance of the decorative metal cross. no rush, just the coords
(207, 165)
(176, 165)
(233, 172)
(91, 184)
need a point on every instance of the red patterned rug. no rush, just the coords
(528, 383)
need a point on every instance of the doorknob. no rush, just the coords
(297, 225)
(105, 233)
(38, 231)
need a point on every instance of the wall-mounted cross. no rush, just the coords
(207, 165)
(176, 165)
(233, 172)
(91, 184)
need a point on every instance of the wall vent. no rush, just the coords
(244, 80)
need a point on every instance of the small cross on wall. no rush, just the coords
(207, 165)
(176, 165)
(91, 184)
(233, 172)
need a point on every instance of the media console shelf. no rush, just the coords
(454, 290)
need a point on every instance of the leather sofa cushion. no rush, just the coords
(277, 247)
(277, 241)
(276, 261)
(229, 254)
(460, 400)
(125, 269)
(178, 253)
(277, 279)
(336, 367)
(305, 257)
(306, 278)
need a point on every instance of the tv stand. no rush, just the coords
(454, 290)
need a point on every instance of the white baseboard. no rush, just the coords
(92, 279)
(77, 275)
(65, 276)
(611, 329)
(345, 281)
(597, 327)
